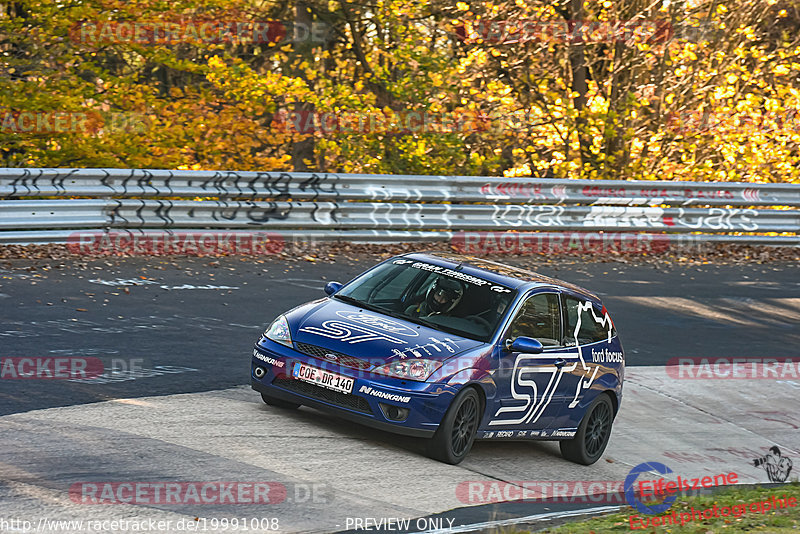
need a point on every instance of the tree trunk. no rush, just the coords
(579, 76)
(303, 151)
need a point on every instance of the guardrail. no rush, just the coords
(40, 205)
(105, 183)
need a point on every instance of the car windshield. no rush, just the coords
(435, 296)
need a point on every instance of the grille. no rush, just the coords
(353, 402)
(342, 359)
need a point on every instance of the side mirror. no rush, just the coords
(332, 287)
(526, 345)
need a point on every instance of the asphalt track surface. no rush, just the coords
(178, 334)
(187, 340)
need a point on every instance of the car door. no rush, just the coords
(528, 385)
(588, 332)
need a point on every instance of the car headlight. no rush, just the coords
(409, 369)
(278, 331)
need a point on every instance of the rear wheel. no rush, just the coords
(456, 433)
(279, 403)
(593, 433)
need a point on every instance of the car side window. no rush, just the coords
(539, 318)
(593, 327)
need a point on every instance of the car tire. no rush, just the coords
(456, 433)
(593, 433)
(279, 403)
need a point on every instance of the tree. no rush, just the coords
(702, 90)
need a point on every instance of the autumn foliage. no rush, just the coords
(683, 90)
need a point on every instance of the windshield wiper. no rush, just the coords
(421, 321)
(431, 324)
(438, 326)
(356, 302)
(374, 308)
(398, 315)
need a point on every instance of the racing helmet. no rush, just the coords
(444, 295)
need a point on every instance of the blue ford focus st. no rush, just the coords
(454, 349)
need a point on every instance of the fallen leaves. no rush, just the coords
(337, 252)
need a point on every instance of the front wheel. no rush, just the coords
(279, 403)
(593, 433)
(456, 433)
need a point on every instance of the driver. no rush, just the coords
(442, 297)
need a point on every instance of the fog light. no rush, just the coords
(394, 413)
(259, 372)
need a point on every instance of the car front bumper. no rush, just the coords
(372, 397)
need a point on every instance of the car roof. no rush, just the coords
(501, 273)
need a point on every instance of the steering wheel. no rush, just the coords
(480, 320)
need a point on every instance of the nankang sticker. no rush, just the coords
(455, 274)
(267, 359)
(562, 434)
(383, 395)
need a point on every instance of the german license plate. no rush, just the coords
(323, 378)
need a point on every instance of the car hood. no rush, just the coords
(344, 328)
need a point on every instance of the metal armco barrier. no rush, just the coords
(127, 213)
(477, 214)
(105, 183)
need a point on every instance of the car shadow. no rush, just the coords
(351, 430)
(481, 449)
(500, 449)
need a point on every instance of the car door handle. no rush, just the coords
(561, 362)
